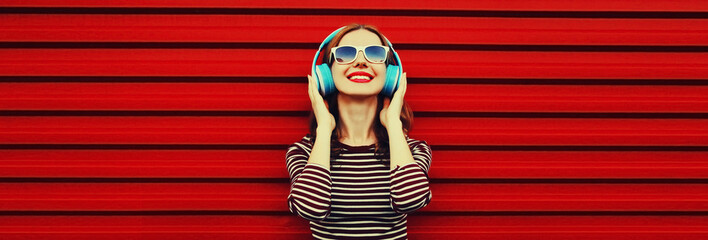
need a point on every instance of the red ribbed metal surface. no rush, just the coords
(540, 5)
(170, 119)
(262, 63)
(307, 29)
(288, 97)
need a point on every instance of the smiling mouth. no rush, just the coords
(360, 77)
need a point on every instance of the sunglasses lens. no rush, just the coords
(345, 54)
(376, 54)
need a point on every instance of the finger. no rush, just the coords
(397, 99)
(317, 97)
(404, 83)
(309, 87)
(313, 84)
(314, 95)
(386, 105)
(395, 102)
(316, 91)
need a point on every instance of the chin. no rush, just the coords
(359, 94)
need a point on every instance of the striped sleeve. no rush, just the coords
(310, 184)
(410, 189)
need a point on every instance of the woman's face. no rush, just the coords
(345, 75)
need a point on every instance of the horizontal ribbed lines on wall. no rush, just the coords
(277, 30)
(548, 5)
(170, 119)
(603, 9)
(359, 12)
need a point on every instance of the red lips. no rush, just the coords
(360, 73)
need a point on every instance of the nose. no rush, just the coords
(360, 60)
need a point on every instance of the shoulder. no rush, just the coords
(417, 143)
(422, 153)
(305, 143)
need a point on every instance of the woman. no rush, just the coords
(357, 174)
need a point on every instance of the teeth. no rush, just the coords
(360, 77)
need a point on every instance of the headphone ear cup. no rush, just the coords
(325, 83)
(393, 77)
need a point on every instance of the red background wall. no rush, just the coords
(170, 119)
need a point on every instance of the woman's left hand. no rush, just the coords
(391, 112)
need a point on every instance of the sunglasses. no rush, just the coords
(347, 54)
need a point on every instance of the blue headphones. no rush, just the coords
(323, 74)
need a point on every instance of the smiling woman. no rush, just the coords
(357, 174)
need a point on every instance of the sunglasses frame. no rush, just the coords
(358, 49)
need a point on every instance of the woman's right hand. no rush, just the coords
(325, 119)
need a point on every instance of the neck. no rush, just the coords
(356, 119)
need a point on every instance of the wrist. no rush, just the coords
(395, 125)
(323, 132)
(394, 129)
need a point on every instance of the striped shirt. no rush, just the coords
(360, 197)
